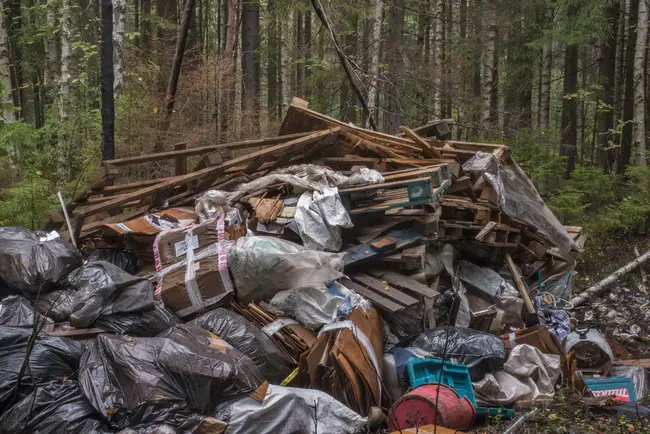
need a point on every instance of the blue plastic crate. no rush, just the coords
(621, 388)
(456, 376)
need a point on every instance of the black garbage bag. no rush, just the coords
(127, 261)
(28, 262)
(481, 352)
(104, 289)
(53, 408)
(406, 323)
(250, 340)
(16, 311)
(166, 379)
(56, 304)
(51, 358)
(146, 324)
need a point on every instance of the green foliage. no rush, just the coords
(27, 202)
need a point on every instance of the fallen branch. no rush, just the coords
(612, 278)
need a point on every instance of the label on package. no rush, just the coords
(181, 247)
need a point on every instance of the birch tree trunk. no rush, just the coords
(119, 9)
(489, 72)
(373, 71)
(64, 90)
(639, 83)
(51, 54)
(545, 79)
(285, 60)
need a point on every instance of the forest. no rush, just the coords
(561, 82)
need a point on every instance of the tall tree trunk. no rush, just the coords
(64, 90)
(639, 84)
(286, 61)
(300, 61)
(15, 26)
(146, 24)
(438, 57)
(348, 112)
(373, 54)
(250, 61)
(607, 77)
(545, 79)
(463, 41)
(8, 109)
(489, 72)
(51, 52)
(395, 60)
(628, 101)
(168, 14)
(107, 78)
(307, 54)
(272, 38)
(119, 18)
(227, 91)
(568, 126)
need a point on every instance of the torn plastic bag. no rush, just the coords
(639, 375)
(262, 266)
(406, 323)
(145, 324)
(30, 261)
(53, 408)
(103, 288)
(320, 217)
(127, 261)
(287, 410)
(527, 375)
(16, 311)
(56, 304)
(51, 357)
(518, 197)
(163, 380)
(250, 340)
(482, 353)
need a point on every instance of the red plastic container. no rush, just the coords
(420, 407)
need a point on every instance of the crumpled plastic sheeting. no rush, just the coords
(56, 304)
(481, 352)
(215, 203)
(249, 339)
(16, 311)
(330, 178)
(320, 217)
(313, 306)
(485, 280)
(639, 376)
(145, 324)
(51, 357)
(518, 197)
(528, 374)
(53, 408)
(28, 264)
(287, 410)
(104, 289)
(262, 266)
(166, 379)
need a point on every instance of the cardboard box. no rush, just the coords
(206, 289)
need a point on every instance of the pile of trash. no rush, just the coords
(336, 289)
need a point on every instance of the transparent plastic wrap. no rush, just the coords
(56, 304)
(127, 261)
(145, 324)
(103, 289)
(33, 261)
(53, 408)
(50, 358)
(482, 353)
(212, 204)
(262, 266)
(527, 375)
(299, 185)
(518, 197)
(313, 306)
(250, 340)
(330, 178)
(164, 380)
(320, 218)
(287, 410)
(16, 311)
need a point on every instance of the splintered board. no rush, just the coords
(403, 238)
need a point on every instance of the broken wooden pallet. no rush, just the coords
(498, 235)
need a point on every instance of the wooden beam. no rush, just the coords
(202, 150)
(520, 284)
(213, 172)
(427, 149)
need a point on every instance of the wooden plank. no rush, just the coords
(180, 161)
(376, 299)
(209, 171)
(202, 150)
(427, 149)
(520, 284)
(384, 290)
(386, 185)
(405, 238)
(403, 282)
(486, 229)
